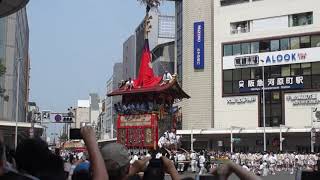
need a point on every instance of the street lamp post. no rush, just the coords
(231, 141)
(17, 101)
(264, 110)
(281, 139)
(191, 139)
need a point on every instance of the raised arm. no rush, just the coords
(99, 171)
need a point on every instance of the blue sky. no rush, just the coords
(73, 45)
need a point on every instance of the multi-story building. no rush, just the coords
(163, 58)
(225, 52)
(94, 111)
(129, 58)
(109, 116)
(163, 31)
(82, 113)
(14, 84)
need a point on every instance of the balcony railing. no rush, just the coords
(240, 30)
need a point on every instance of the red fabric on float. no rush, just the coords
(146, 77)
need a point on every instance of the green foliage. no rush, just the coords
(2, 69)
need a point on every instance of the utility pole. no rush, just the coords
(17, 101)
(191, 139)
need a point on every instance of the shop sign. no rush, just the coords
(198, 43)
(241, 100)
(272, 58)
(285, 57)
(303, 99)
(271, 84)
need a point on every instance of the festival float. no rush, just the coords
(146, 117)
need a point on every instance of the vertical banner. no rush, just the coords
(198, 45)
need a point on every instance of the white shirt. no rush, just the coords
(166, 77)
(273, 159)
(202, 159)
(158, 156)
(129, 83)
(134, 158)
(193, 156)
(181, 157)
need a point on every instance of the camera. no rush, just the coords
(75, 134)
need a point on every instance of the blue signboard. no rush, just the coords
(271, 84)
(198, 45)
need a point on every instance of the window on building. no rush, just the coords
(295, 42)
(227, 87)
(236, 49)
(275, 71)
(245, 48)
(264, 46)
(256, 73)
(316, 68)
(275, 45)
(301, 19)
(305, 42)
(284, 44)
(255, 47)
(231, 2)
(236, 74)
(306, 69)
(246, 74)
(227, 50)
(285, 70)
(240, 27)
(227, 81)
(307, 82)
(235, 86)
(316, 75)
(295, 70)
(267, 71)
(315, 41)
(316, 81)
(227, 75)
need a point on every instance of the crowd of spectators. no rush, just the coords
(33, 160)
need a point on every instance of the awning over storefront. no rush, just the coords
(245, 131)
(8, 7)
(20, 124)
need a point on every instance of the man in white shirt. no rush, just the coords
(134, 158)
(273, 160)
(181, 158)
(166, 77)
(202, 160)
(129, 84)
(193, 157)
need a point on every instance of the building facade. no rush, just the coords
(94, 112)
(129, 58)
(14, 56)
(163, 31)
(109, 116)
(224, 56)
(163, 58)
(82, 113)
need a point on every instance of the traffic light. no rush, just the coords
(67, 119)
